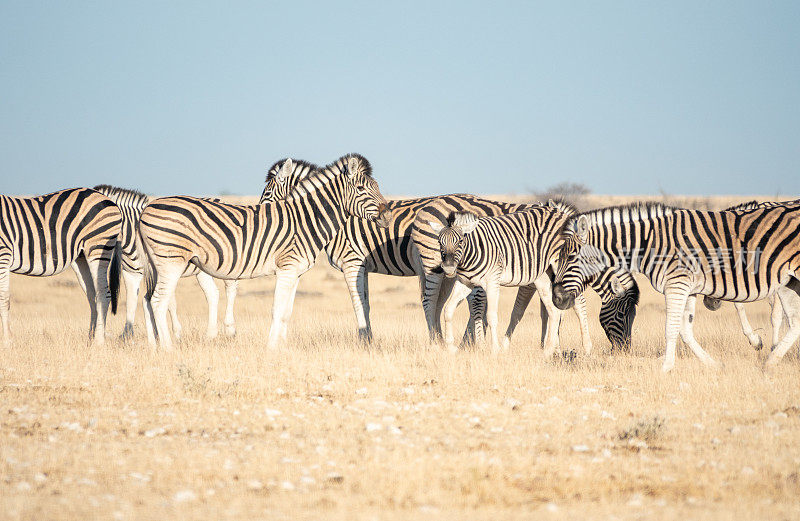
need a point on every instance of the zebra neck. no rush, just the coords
(319, 213)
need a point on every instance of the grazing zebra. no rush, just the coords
(235, 241)
(741, 256)
(361, 247)
(515, 249)
(42, 236)
(131, 203)
(776, 315)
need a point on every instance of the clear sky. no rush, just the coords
(486, 97)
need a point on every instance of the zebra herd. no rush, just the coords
(458, 246)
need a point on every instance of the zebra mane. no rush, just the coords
(116, 191)
(749, 205)
(341, 163)
(299, 166)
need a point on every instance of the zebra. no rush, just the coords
(42, 236)
(515, 249)
(131, 203)
(236, 241)
(776, 314)
(729, 255)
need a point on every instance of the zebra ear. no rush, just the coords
(286, 170)
(582, 227)
(617, 287)
(465, 221)
(436, 227)
(352, 166)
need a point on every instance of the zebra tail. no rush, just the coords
(147, 265)
(115, 273)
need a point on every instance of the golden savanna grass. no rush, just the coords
(329, 429)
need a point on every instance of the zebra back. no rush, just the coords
(43, 235)
(729, 255)
(239, 241)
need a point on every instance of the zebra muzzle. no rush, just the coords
(449, 270)
(562, 298)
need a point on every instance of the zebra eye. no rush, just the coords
(361, 189)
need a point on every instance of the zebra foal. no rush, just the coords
(741, 256)
(234, 242)
(515, 249)
(42, 236)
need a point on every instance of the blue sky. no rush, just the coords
(199, 98)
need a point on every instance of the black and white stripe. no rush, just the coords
(236, 241)
(776, 314)
(741, 256)
(42, 236)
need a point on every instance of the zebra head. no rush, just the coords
(618, 312)
(453, 238)
(282, 177)
(579, 263)
(361, 195)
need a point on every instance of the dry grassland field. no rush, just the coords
(329, 429)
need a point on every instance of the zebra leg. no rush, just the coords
(475, 332)
(790, 300)
(149, 321)
(355, 277)
(287, 310)
(231, 288)
(445, 288)
(429, 289)
(166, 282)
(285, 287)
(84, 274)
(551, 339)
(469, 333)
(687, 333)
(776, 317)
(583, 318)
(492, 301)
(675, 296)
(5, 293)
(132, 282)
(753, 338)
(458, 293)
(211, 292)
(524, 296)
(177, 328)
(99, 273)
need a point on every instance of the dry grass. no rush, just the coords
(327, 429)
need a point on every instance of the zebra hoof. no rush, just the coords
(758, 345)
(230, 331)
